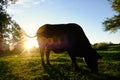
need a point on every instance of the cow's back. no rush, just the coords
(63, 36)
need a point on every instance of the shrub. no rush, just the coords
(100, 46)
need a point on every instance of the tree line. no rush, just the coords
(106, 46)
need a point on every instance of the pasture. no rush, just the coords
(27, 66)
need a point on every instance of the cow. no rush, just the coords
(67, 37)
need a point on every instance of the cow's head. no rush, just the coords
(91, 60)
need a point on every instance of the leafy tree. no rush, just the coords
(113, 24)
(9, 29)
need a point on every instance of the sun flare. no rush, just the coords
(30, 43)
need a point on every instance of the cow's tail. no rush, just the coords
(30, 36)
(24, 33)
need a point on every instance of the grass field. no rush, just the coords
(27, 66)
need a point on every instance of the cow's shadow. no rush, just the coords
(65, 72)
(56, 71)
(62, 72)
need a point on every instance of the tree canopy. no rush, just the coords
(113, 24)
(9, 29)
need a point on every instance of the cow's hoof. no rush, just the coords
(43, 64)
(94, 72)
(76, 69)
(48, 64)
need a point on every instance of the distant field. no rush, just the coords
(27, 66)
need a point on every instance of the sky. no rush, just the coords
(89, 14)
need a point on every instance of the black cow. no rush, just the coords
(67, 37)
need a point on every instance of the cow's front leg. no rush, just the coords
(42, 56)
(74, 64)
(47, 56)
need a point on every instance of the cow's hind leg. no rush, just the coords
(42, 56)
(47, 56)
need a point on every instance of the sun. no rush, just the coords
(30, 43)
(27, 45)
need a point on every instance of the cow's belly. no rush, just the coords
(58, 47)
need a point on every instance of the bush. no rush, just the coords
(100, 46)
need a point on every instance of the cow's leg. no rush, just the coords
(42, 56)
(74, 64)
(47, 56)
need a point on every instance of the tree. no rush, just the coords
(9, 29)
(113, 24)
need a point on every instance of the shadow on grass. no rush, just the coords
(64, 72)
(6, 71)
(108, 77)
(114, 56)
(56, 72)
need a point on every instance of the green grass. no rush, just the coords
(27, 66)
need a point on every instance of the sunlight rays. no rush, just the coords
(30, 43)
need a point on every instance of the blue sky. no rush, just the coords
(31, 14)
